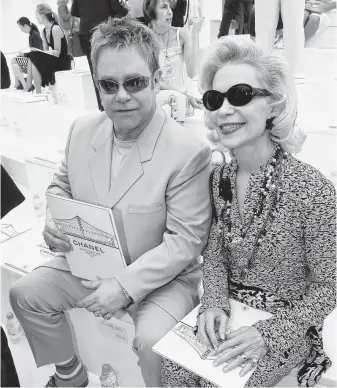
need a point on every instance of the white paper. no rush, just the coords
(182, 347)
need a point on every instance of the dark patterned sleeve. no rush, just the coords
(215, 273)
(290, 325)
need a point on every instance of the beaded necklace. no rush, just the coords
(269, 192)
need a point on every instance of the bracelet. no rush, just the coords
(127, 295)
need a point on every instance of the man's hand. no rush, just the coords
(107, 298)
(54, 238)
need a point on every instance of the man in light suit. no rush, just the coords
(154, 175)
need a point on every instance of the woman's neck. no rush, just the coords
(252, 156)
(48, 24)
(159, 30)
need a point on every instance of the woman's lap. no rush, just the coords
(47, 65)
(174, 375)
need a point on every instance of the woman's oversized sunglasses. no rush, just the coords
(132, 85)
(237, 95)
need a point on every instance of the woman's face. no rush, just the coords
(164, 13)
(239, 125)
(39, 17)
(25, 28)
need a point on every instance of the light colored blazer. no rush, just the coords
(160, 198)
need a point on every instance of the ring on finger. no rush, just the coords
(253, 361)
(97, 314)
(244, 357)
(51, 248)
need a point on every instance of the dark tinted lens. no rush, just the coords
(108, 86)
(213, 100)
(239, 95)
(136, 84)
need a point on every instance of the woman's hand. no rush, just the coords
(55, 53)
(243, 345)
(195, 102)
(212, 325)
(196, 24)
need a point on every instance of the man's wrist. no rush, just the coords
(128, 296)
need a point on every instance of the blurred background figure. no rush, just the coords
(20, 62)
(91, 13)
(266, 20)
(241, 9)
(5, 78)
(315, 20)
(136, 11)
(178, 55)
(64, 15)
(41, 66)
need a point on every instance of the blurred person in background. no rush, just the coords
(266, 20)
(41, 66)
(20, 63)
(5, 78)
(232, 8)
(65, 18)
(315, 19)
(91, 13)
(179, 50)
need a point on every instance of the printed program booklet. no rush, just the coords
(93, 236)
(181, 346)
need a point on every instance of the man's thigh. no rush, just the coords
(49, 288)
(159, 312)
(152, 322)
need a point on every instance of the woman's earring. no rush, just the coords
(269, 123)
(213, 136)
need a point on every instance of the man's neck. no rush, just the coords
(134, 133)
(253, 155)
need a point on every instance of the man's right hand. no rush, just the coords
(55, 238)
(212, 326)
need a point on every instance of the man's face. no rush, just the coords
(130, 110)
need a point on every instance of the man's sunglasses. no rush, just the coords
(237, 95)
(132, 85)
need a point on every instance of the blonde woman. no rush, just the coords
(41, 66)
(272, 243)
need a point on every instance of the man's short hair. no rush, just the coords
(125, 33)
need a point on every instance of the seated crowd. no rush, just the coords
(263, 225)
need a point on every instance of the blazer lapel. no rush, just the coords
(128, 175)
(131, 169)
(100, 161)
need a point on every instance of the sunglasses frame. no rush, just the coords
(254, 92)
(101, 88)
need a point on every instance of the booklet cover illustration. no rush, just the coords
(96, 251)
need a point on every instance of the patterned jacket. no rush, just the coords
(296, 261)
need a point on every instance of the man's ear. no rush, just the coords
(156, 80)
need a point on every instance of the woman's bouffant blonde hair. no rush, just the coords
(275, 77)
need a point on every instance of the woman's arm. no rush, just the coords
(290, 325)
(44, 42)
(215, 272)
(190, 43)
(57, 36)
(37, 41)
